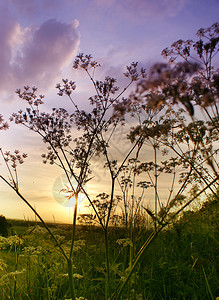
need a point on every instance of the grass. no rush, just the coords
(182, 262)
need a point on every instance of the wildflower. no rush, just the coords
(2, 265)
(15, 273)
(78, 276)
(3, 242)
(14, 240)
(3, 124)
(37, 230)
(30, 250)
(10, 242)
(78, 245)
(124, 242)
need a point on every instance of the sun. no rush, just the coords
(63, 194)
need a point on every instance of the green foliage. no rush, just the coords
(171, 269)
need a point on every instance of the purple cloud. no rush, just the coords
(50, 48)
(34, 56)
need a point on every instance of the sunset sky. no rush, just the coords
(38, 42)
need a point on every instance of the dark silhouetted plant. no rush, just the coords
(163, 111)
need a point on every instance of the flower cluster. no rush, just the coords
(50, 156)
(14, 158)
(31, 250)
(206, 48)
(3, 124)
(10, 242)
(107, 86)
(11, 161)
(168, 85)
(85, 62)
(3, 265)
(67, 88)
(54, 128)
(125, 242)
(30, 96)
(10, 275)
(132, 72)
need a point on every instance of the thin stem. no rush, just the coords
(111, 201)
(196, 196)
(181, 189)
(155, 184)
(74, 104)
(16, 177)
(81, 187)
(71, 279)
(193, 167)
(39, 217)
(120, 94)
(74, 225)
(69, 262)
(12, 178)
(139, 141)
(172, 185)
(107, 282)
(117, 294)
(189, 162)
(148, 242)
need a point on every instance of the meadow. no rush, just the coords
(181, 263)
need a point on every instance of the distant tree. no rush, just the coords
(4, 226)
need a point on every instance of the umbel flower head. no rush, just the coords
(3, 125)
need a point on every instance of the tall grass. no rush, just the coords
(180, 264)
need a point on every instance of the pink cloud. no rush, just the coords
(34, 56)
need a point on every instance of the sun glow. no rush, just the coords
(63, 193)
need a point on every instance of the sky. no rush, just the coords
(38, 42)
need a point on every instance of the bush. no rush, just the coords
(4, 226)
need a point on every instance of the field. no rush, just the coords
(181, 263)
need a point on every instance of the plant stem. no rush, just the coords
(107, 281)
(71, 282)
(69, 261)
(155, 184)
(40, 218)
(74, 225)
(117, 294)
(207, 284)
(70, 274)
